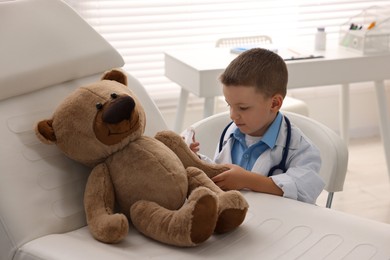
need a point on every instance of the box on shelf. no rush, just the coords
(367, 32)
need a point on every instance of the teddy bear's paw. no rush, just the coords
(229, 219)
(212, 170)
(109, 228)
(169, 138)
(232, 211)
(204, 215)
(176, 143)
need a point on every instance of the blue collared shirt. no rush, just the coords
(245, 156)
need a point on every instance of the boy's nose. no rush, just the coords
(233, 114)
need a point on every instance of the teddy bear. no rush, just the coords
(157, 184)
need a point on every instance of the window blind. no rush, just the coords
(143, 30)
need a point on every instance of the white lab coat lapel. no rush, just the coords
(267, 159)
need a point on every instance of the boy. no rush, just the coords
(254, 86)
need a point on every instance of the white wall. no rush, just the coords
(323, 105)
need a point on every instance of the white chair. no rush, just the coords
(41, 191)
(334, 151)
(289, 104)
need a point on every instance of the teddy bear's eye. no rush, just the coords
(99, 106)
(114, 95)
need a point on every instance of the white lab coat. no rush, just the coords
(301, 181)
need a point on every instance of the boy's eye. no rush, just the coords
(243, 108)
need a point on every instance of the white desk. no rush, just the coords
(197, 71)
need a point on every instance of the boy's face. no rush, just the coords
(250, 110)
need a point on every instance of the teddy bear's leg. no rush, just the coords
(232, 206)
(176, 143)
(188, 226)
(99, 200)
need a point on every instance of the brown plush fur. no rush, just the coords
(156, 183)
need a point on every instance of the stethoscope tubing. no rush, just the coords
(282, 164)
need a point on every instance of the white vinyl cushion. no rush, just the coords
(275, 228)
(40, 189)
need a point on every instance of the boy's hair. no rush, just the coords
(259, 68)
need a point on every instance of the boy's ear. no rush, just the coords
(277, 101)
(45, 132)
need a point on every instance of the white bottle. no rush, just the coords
(320, 39)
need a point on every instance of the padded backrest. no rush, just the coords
(46, 52)
(334, 152)
(40, 189)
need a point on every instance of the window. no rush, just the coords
(143, 30)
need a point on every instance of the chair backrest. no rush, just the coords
(47, 51)
(242, 41)
(334, 152)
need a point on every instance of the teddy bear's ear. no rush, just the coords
(45, 132)
(116, 75)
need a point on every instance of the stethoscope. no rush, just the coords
(282, 164)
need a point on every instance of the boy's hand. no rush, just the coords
(194, 146)
(232, 179)
(189, 139)
(237, 178)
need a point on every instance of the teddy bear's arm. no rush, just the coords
(176, 143)
(99, 201)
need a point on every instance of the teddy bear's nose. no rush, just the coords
(118, 110)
